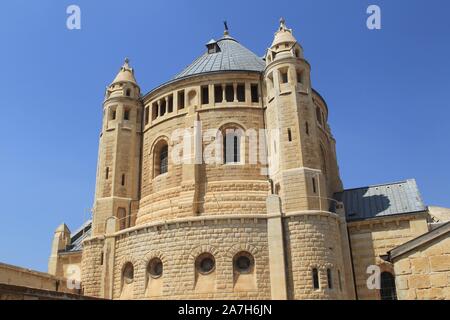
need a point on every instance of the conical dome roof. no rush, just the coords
(228, 55)
(283, 35)
(126, 73)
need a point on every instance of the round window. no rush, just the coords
(205, 263)
(155, 268)
(243, 262)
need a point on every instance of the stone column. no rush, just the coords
(106, 289)
(275, 235)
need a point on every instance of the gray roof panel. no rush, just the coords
(232, 57)
(381, 200)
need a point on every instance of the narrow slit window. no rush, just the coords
(113, 114)
(218, 93)
(205, 95)
(123, 180)
(319, 115)
(315, 278)
(289, 135)
(170, 106)
(329, 279)
(147, 114)
(180, 100)
(254, 92)
(314, 185)
(107, 173)
(229, 93)
(284, 76)
(126, 115)
(240, 92)
(307, 128)
(154, 110)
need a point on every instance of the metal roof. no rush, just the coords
(381, 200)
(76, 240)
(232, 57)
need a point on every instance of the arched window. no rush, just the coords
(161, 158)
(388, 291)
(232, 145)
(127, 281)
(128, 92)
(155, 268)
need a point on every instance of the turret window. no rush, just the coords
(254, 93)
(289, 134)
(315, 278)
(284, 76)
(126, 114)
(123, 180)
(299, 77)
(128, 92)
(113, 114)
(307, 128)
(107, 173)
(314, 186)
(330, 279)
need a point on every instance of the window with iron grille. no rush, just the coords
(388, 290)
(164, 160)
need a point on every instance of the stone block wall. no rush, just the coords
(424, 273)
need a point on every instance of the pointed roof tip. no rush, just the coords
(226, 30)
(283, 34)
(126, 73)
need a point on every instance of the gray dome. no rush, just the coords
(230, 56)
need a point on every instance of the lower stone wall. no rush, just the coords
(313, 241)
(371, 239)
(178, 246)
(91, 267)
(425, 272)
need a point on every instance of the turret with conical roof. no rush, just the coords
(117, 185)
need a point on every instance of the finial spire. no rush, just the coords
(226, 33)
(282, 24)
(127, 61)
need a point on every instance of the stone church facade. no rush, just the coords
(223, 183)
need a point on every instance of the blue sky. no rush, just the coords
(387, 91)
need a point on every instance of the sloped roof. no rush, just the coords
(382, 200)
(232, 56)
(443, 230)
(76, 240)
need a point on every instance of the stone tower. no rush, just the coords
(117, 187)
(304, 173)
